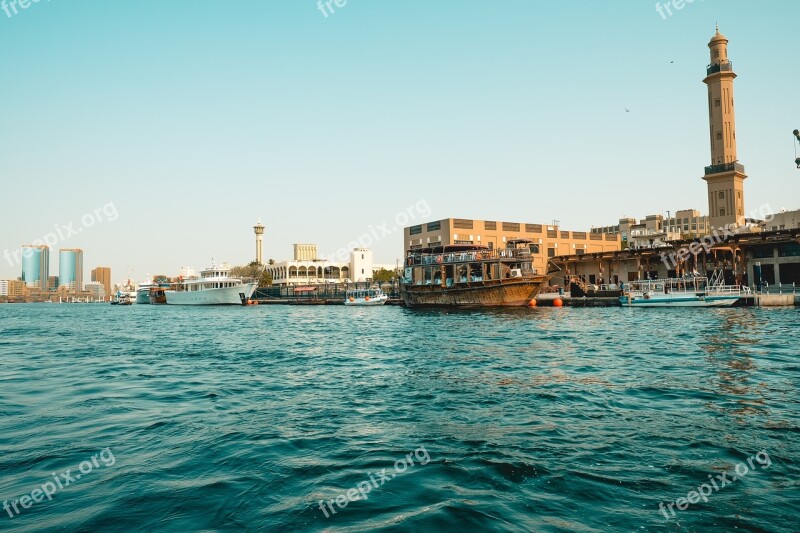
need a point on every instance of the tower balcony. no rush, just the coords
(719, 67)
(724, 167)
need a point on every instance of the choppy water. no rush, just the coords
(521, 420)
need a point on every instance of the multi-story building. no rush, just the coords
(103, 275)
(686, 224)
(70, 268)
(35, 266)
(12, 288)
(95, 290)
(546, 240)
(52, 283)
(306, 269)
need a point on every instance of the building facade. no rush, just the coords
(301, 271)
(95, 290)
(685, 224)
(103, 275)
(70, 269)
(13, 288)
(35, 266)
(546, 240)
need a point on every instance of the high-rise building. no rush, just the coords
(35, 265)
(103, 275)
(70, 268)
(259, 230)
(725, 176)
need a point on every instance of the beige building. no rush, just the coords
(686, 224)
(103, 276)
(546, 240)
(13, 288)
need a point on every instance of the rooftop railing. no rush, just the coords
(724, 167)
(719, 67)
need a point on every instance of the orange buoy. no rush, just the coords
(352, 299)
(558, 302)
(532, 303)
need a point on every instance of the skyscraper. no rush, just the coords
(35, 266)
(725, 176)
(70, 268)
(103, 275)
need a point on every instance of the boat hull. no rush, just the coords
(691, 300)
(363, 302)
(499, 293)
(143, 296)
(223, 296)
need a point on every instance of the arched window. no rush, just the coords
(721, 195)
(722, 212)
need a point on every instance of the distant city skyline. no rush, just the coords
(158, 134)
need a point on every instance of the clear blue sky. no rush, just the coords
(194, 118)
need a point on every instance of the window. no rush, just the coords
(722, 212)
(434, 226)
(716, 102)
(533, 228)
(534, 248)
(551, 252)
(721, 195)
(719, 135)
(716, 53)
(510, 226)
(490, 225)
(460, 223)
(415, 230)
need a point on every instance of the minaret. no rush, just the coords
(259, 230)
(725, 176)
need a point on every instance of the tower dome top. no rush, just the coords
(718, 37)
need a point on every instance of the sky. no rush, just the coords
(154, 134)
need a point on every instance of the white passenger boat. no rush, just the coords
(693, 291)
(365, 297)
(213, 287)
(143, 292)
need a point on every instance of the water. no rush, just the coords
(520, 420)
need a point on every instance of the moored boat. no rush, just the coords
(471, 276)
(365, 297)
(691, 291)
(215, 286)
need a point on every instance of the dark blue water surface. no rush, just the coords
(246, 418)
